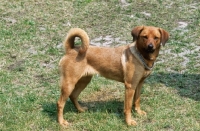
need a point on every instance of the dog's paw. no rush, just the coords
(82, 109)
(64, 123)
(131, 122)
(141, 112)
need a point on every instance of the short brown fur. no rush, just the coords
(120, 64)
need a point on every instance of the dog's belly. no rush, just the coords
(107, 73)
(113, 76)
(106, 62)
(89, 71)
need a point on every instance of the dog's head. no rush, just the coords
(149, 38)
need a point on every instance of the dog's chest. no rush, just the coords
(146, 73)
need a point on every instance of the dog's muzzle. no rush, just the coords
(150, 48)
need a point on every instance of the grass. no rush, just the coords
(31, 35)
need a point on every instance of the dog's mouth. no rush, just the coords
(150, 48)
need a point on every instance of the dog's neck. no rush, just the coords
(147, 60)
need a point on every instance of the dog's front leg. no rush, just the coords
(129, 93)
(137, 99)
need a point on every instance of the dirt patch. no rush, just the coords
(107, 41)
(18, 65)
(124, 3)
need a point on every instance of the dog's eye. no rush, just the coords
(145, 37)
(156, 38)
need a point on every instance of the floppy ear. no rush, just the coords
(136, 32)
(164, 36)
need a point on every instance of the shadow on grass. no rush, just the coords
(187, 85)
(112, 106)
(50, 109)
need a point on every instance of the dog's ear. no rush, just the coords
(136, 32)
(164, 36)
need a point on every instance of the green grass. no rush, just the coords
(31, 35)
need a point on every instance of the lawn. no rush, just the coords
(31, 36)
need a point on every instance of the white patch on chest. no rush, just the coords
(123, 60)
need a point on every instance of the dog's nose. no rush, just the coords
(150, 46)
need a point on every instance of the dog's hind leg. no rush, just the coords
(80, 86)
(66, 90)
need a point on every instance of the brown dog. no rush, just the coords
(129, 64)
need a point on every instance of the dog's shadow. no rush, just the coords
(112, 106)
(187, 85)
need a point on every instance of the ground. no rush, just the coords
(31, 36)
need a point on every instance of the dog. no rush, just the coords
(130, 64)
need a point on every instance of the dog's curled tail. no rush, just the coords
(69, 41)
